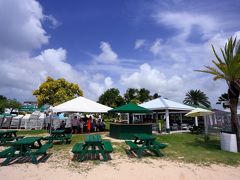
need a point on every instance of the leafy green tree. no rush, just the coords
(8, 103)
(3, 103)
(223, 99)
(131, 94)
(197, 97)
(144, 95)
(2, 98)
(227, 68)
(155, 96)
(54, 92)
(111, 98)
(13, 104)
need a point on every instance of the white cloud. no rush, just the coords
(139, 43)
(98, 87)
(107, 55)
(156, 47)
(172, 86)
(21, 27)
(184, 22)
(54, 23)
(22, 32)
(152, 79)
(108, 82)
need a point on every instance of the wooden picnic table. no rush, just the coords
(146, 142)
(29, 146)
(93, 146)
(59, 135)
(8, 135)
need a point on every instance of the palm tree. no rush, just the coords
(223, 99)
(197, 97)
(228, 69)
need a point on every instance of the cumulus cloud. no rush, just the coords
(26, 73)
(152, 79)
(139, 43)
(22, 32)
(172, 86)
(156, 47)
(107, 55)
(21, 27)
(98, 87)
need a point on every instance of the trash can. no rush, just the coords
(228, 141)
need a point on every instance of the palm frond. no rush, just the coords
(219, 59)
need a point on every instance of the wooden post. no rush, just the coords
(196, 121)
(167, 121)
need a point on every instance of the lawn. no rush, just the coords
(192, 148)
(184, 147)
(31, 132)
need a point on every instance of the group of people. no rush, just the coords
(76, 124)
(81, 125)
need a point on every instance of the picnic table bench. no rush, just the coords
(29, 146)
(9, 135)
(59, 135)
(93, 146)
(144, 142)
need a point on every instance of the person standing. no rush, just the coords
(62, 125)
(89, 125)
(81, 124)
(75, 124)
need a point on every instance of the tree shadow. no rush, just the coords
(211, 144)
(27, 159)
(133, 154)
(90, 156)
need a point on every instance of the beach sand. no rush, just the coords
(119, 168)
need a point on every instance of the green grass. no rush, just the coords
(184, 147)
(31, 132)
(66, 147)
(192, 148)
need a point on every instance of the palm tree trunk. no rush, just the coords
(233, 97)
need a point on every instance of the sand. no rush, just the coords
(120, 168)
(60, 166)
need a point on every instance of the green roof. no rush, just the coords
(130, 108)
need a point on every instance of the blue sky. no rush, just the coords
(122, 44)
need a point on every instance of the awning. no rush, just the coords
(130, 108)
(81, 104)
(163, 104)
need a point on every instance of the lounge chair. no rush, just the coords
(6, 122)
(24, 120)
(16, 122)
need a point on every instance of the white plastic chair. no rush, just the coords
(16, 121)
(24, 120)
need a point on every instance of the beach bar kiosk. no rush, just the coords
(126, 130)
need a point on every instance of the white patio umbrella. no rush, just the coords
(201, 112)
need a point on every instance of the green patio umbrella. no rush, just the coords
(130, 108)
